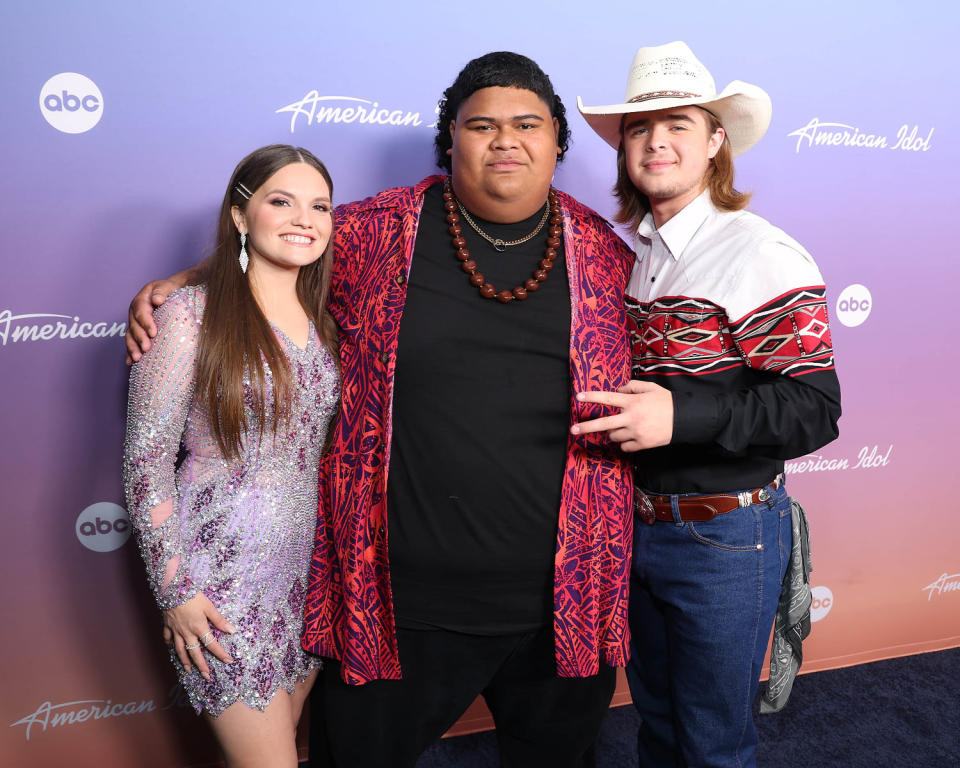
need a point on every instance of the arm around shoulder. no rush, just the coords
(141, 327)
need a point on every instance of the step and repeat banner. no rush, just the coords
(121, 124)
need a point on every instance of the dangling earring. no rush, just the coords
(244, 259)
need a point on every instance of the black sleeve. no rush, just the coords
(780, 417)
(787, 400)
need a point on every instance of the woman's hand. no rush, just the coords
(187, 628)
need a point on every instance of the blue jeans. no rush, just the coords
(702, 604)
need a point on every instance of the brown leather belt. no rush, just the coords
(697, 509)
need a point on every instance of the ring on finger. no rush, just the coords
(203, 638)
(192, 647)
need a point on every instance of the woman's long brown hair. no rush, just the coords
(236, 341)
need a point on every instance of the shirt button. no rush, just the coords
(400, 279)
(653, 279)
(384, 357)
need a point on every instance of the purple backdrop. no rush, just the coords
(121, 125)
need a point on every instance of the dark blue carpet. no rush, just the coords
(901, 713)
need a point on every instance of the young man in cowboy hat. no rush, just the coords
(732, 373)
(467, 542)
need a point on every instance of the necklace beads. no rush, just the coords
(469, 265)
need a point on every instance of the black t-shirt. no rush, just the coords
(480, 417)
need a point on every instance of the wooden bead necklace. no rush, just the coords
(468, 265)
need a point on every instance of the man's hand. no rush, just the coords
(140, 325)
(645, 419)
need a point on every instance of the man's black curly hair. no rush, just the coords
(504, 69)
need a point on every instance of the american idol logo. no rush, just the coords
(50, 715)
(945, 583)
(869, 457)
(317, 110)
(46, 327)
(909, 138)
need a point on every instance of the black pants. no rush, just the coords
(541, 719)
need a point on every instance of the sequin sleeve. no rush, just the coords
(161, 391)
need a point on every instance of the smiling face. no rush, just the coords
(667, 155)
(504, 153)
(288, 219)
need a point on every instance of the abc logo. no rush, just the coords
(854, 305)
(822, 603)
(103, 527)
(71, 103)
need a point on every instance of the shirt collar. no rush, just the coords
(679, 231)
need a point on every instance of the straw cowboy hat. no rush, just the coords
(670, 75)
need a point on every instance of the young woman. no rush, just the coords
(243, 376)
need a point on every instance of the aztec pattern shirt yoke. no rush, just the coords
(729, 313)
(349, 612)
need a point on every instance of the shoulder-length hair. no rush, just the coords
(236, 341)
(633, 204)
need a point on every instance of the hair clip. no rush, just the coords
(244, 192)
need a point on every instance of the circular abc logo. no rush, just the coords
(822, 603)
(854, 305)
(103, 527)
(71, 103)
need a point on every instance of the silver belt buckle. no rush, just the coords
(643, 507)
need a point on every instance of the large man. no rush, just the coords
(733, 373)
(467, 543)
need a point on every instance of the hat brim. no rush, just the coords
(743, 109)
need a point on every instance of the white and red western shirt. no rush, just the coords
(729, 313)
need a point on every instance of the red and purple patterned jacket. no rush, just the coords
(349, 610)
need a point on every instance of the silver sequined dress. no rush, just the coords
(242, 531)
